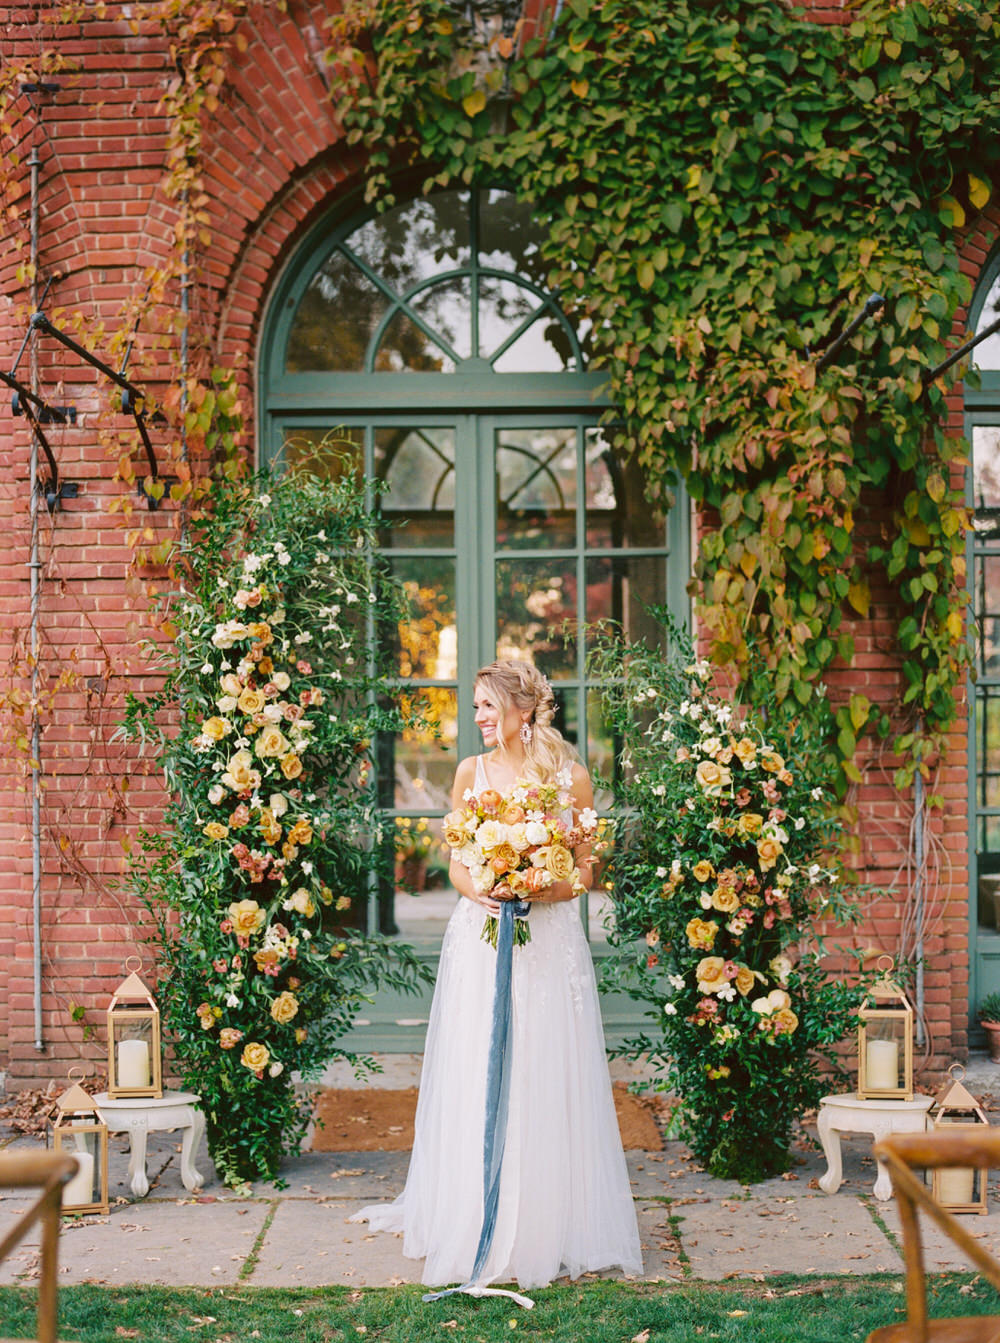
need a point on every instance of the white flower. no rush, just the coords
(816, 794)
(275, 1070)
(669, 1010)
(705, 900)
(216, 794)
(226, 703)
(800, 822)
(278, 804)
(676, 981)
(661, 872)
(727, 993)
(232, 1000)
(352, 597)
(588, 818)
(207, 669)
(264, 500)
(535, 832)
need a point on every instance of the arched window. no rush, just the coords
(429, 335)
(982, 400)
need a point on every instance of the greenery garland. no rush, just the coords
(258, 880)
(725, 183)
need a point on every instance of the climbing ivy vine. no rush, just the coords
(724, 186)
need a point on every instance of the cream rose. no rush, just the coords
(282, 680)
(251, 701)
(768, 853)
(712, 778)
(271, 742)
(232, 685)
(301, 902)
(239, 775)
(215, 728)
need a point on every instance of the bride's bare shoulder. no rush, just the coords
(464, 775)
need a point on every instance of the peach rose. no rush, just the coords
(490, 799)
(711, 974)
(750, 823)
(232, 684)
(744, 750)
(284, 1008)
(301, 832)
(255, 1056)
(215, 830)
(768, 853)
(261, 631)
(513, 814)
(784, 1021)
(302, 902)
(744, 979)
(537, 879)
(772, 762)
(229, 1037)
(247, 917)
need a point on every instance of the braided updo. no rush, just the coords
(514, 682)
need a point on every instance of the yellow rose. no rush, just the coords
(255, 1056)
(216, 728)
(247, 917)
(772, 762)
(745, 750)
(768, 853)
(291, 766)
(269, 828)
(251, 701)
(284, 1007)
(745, 979)
(712, 778)
(559, 861)
(261, 631)
(271, 742)
(702, 934)
(301, 832)
(215, 830)
(703, 871)
(232, 685)
(725, 900)
(750, 823)
(711, 974)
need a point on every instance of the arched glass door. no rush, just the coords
(983, 430)
(427, 335)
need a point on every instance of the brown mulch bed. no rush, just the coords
(376, 1120)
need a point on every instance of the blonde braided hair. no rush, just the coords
(513, 682)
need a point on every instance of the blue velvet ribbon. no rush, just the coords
(497, 1104)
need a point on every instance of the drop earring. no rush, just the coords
(526, 734)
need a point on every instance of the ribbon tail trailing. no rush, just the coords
(497, 1101)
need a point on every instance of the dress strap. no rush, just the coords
(481, 781)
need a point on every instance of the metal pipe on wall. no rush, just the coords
(34, 570)
(919, 900)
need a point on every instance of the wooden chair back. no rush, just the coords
(904, 1154)
(49, 1172)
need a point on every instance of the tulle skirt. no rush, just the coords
(565, 1202)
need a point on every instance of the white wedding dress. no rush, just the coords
(565, 1203)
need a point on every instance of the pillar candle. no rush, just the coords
(80, 1190)
(882, 1065)
(133, 1063)
(955, 1185)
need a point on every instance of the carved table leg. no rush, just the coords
(830, 1138)
(190, 1178)
(138, 1180)
(883, 1181)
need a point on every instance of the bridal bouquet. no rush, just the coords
(522, 841)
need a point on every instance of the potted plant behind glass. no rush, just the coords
(989, 1019)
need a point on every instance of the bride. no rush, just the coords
(565, 1204)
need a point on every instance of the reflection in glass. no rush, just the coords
(567, 718)
(987, 597)
(416, 240)
(335, 321)
(621, 588)
(536, 487)
(618, 513)
(426, 642)
(602, 751)
(985, 468)
(327, 453)
(510, 237)
(988, 746)
(418, 465)
(987, 355)
(536, 604)
(405, 348)
(447, 310)
(426, 752)
(544, 347)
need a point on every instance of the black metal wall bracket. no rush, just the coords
(874, 304)
(132, 401)
(38, 412)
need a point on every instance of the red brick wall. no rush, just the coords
(273, 164)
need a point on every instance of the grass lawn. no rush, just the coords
(782, 1310)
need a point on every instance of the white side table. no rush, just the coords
(851, 1114)
(137, 1115)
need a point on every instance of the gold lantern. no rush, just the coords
(885, 1041)
(79, 1131)
(959, 1188)
(134, 1063)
